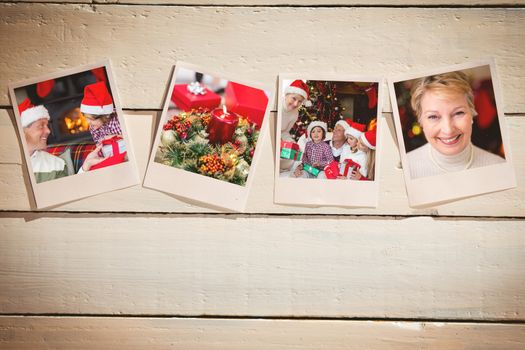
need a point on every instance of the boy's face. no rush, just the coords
(95, 121)
(317, 134)
(293, 102)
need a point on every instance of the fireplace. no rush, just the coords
(67, 124)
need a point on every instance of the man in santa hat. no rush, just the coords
(45, 166)
(338, 141)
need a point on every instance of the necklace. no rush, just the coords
(469, 163)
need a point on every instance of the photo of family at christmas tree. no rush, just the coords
(328, 129)
(211, 126)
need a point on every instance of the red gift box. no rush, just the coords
(116, 158)
(349, 163)
(290, 150)
(332, 170)
(186, 100)
(246, 101)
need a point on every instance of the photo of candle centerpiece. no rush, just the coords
(209, 128)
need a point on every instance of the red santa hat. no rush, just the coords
(355, 129)
(300, 88)
(97, 99)
(352, 128)
(30, 113)
(318, 123)
(369, 139)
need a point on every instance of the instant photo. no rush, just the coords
(451, 133)
(73, 136)
(207, 143)
(327, 142)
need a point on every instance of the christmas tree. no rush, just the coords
(325, 107)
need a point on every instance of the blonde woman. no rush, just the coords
(444, 106)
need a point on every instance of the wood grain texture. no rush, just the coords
(271, 3)
(144, 42)
(262, 266)
(93, 261)
(149, 333)
(392, 200)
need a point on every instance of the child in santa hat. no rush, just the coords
(351, 153)
(317, 153)
(97, 107)
(295, 95)
(366, 144)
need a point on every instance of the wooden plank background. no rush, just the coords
(140, 269)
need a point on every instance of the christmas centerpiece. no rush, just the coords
(213, 143)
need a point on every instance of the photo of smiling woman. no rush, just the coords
(450, 122)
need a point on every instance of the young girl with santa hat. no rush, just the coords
(366, 144)
(97, 107)
(351, 155)
(317, 153)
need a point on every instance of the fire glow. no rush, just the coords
(75, 122)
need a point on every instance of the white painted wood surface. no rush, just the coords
(312, 3)
(139, 252)
(263, 266)
(36, 333)
(255, 43)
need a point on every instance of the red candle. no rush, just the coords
(222, 125)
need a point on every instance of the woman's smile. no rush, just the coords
(450, 141)
(446, 121)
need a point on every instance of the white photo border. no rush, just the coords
(196, 187)
(435, 190)
(51, 193)
(312, 192)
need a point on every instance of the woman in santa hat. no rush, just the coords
(295, 95)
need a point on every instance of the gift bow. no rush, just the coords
(196, 88)
(350, 163)
(113, 141)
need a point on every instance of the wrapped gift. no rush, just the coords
(348, 166)
(332, 170)
(118, 152)
(194, 95)
(107, 149)
(290, 150)
(311, 170)
(246, 101)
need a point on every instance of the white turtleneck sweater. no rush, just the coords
(421, 161)
(288, 119)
